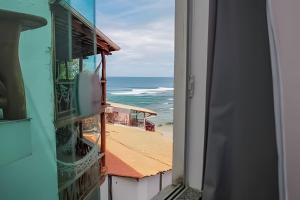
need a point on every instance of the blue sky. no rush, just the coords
(144, 29)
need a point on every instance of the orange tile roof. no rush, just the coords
(117, 167)
(133, 152)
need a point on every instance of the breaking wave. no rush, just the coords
(144, 91)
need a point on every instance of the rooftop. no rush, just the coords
(134, 108)
(133, 152)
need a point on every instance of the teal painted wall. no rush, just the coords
(34, 177)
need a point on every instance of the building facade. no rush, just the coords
(61, 53)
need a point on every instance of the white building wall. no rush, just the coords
(166, 179)
(104, 190)
(151, 185)
(124, 188)
(142, 189)
(133, 189)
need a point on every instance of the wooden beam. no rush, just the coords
(102, 44)
(102, 115)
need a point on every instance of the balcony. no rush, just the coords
(80, 95)
(65, 106)
(78, 165)
(82, 186)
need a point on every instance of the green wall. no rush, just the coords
(34, 176)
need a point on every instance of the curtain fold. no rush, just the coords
(241, 155)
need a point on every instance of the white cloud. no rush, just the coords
(146, 48)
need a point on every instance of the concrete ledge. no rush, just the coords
(189, 194)
(170, 192)
(15, 141)
(178, 192)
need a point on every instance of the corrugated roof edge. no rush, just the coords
(111, 174)
(130, 107)
(67, 6)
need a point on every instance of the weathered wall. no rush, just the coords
(34, 177)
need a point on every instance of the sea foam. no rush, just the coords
(144, 91)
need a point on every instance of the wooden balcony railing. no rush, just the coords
(82, 186)
(64, 104)
(77, 179)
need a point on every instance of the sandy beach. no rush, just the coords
(165, 130)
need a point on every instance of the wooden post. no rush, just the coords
(160, 180)
(145, 121)
(67, 70)
(80, 64)
(80, 70)
(102, 115)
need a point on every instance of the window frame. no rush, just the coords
(180, 91)
(190, 72)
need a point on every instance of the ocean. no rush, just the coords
(155, 93)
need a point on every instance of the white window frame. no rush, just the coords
(180, 92)
(191, 49)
